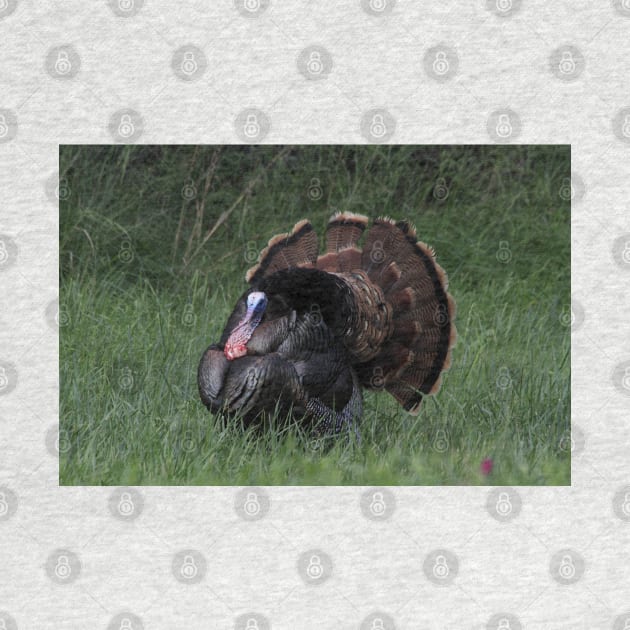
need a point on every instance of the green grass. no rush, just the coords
(142, 295)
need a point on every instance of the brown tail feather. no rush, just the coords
(416, 287)
(298, 248)
(344, 230)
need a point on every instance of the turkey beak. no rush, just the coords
(236, 345)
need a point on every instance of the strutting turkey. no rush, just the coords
(311, 331)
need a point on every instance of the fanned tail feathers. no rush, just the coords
(403, 328)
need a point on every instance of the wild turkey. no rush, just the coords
(311, 331)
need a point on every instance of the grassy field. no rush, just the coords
(154, 244)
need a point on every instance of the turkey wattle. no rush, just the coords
(312, 331)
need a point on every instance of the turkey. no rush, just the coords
(311, 332)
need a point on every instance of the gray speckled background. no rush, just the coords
(306, 72)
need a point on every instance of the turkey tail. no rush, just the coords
(297, 248)
(342, 235)
(410, 361)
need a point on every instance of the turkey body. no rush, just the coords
(312, 331)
